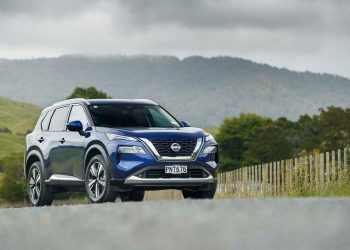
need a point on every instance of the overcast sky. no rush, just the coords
(302, 35)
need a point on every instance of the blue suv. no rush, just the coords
(110, 148)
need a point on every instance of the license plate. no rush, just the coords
(176, 169)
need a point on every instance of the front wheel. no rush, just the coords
(39, 193)
(207, 194)
(97, 181)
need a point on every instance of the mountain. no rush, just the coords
(200, 90)
(16, 119)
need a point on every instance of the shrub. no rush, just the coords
(13, 184)
(5, 130)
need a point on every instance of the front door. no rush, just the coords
(72, 150)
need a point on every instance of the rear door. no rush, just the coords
(53, 138)
(73, 149)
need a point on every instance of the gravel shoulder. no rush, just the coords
(185, 224)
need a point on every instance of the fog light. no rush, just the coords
(210, 150)
(131, 150)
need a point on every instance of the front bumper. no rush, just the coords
(126, 168)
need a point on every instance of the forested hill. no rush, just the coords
(200, 90)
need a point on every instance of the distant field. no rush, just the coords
(11, 144)
(18, 117)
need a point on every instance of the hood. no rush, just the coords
(157, 133)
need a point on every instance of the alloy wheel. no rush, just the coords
(97, 180)
(34, 185)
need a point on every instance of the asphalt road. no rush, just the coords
(185, 224)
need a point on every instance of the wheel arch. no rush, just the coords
(34, 154)
(95, 148)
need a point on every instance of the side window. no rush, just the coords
(78, 114)
(58, 120)
(46, 121)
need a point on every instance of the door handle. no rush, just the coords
(62, 140)
(41, 139)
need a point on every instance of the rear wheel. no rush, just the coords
(207, 194)
(135, 195)
(97, 181)
(38, 192)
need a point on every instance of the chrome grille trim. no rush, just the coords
(156, 155)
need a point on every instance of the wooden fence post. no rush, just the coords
(327, 167)
(265, 178)
(274, 178)
(278, 179)
(339, 161)
(333, 167)
(295, 172)
(322, 169)
(317, 173)
(270, 179)
(283, 172)
(345, 155)
(311, 169)
(289, 174)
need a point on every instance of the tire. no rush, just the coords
(38, 192)
(207, 194)
(97, 181)
(135, 195)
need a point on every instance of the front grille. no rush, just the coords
(160, 173)
(163, 146)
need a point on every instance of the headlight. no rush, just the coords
(120, 137)
(131, 150)
(210, 150)
(209, 137)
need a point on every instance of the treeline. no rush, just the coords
(252, 139)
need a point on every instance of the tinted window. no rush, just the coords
(46, 121)
(131, 115)
(77, 114)
(58, 120)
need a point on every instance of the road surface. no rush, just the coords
(186, 224)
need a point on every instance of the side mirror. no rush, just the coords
(185, 124)
(75, 126)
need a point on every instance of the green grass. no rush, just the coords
(18, 117)
(11, 144)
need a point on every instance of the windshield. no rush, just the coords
(131, 115)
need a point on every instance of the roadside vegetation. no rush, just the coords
(303, 186)
(251, 139)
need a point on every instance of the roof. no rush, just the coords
(100, 101)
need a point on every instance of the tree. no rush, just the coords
(234, 137)
(88, 93)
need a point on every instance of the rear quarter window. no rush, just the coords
(46, 121)
(59, 118)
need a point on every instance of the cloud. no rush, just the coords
(303, 35)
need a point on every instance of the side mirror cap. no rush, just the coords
(75, 126)
(185, 124)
